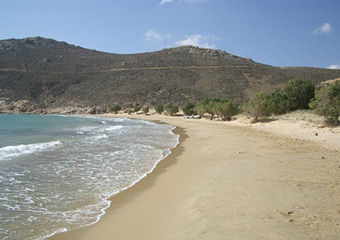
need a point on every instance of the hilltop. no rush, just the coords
(45, 73)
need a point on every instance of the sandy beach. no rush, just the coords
(231, 181)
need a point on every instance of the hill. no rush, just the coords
(45, 73)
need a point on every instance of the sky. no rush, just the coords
(276, 32)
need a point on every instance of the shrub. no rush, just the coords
(171, 109)
(136, 108)
(327, 102)
(299, 93)
(188, 108)
(207, 105)
(145, 110)
(258, 106)
(226, 109)
(278, 102)
(159, 108)
(115, 108)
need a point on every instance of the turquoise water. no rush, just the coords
(57, 172)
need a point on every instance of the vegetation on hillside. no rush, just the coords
(51, 74)
(299, 92)
(258, 106)
(115, 108)
(171, 108)
(188, 109)
(145, 110)
(295, 95)
(159, 108)
(327, 102)
(223, 108)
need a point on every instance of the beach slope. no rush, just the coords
(228, 182)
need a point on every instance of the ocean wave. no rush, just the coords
(111, 128)
(97, 137)
(95, 129)
(14, 151)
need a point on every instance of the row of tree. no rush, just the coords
(116, 108)
(296, 94)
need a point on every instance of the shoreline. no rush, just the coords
(123, 197)
(190, 196)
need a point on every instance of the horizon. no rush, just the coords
(281, 33)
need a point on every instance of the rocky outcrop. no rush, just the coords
(20, 106)
(330, 82)
(25, 106)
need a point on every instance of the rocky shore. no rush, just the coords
(26, 106)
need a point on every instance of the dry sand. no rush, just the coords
(229, 182)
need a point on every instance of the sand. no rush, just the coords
(229, 181)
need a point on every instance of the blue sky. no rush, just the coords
(275, 32)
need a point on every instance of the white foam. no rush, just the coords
(112, 128)
(101, 136)
(83, 130)
(53, 233)
(13, 151)
(96, 129)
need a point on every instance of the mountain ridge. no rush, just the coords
(49, 74)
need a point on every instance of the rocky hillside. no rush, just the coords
(39, 73)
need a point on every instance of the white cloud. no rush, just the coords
(162, 2)
(197, 40)
(325, 28)
(334, 66)
(153, 35)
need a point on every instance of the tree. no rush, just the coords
(115, 108)
(171, 108)
(207, 106)
(145, 110)
(136, 108)
(188, 108)
(226, 109)
(159, 108)
(200, 109)
(327, 102)
(257, 106)
(278, 102)
(299, 92)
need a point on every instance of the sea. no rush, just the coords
(57, 172)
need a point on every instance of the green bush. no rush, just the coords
(327, 102)
(171, 109)
(278, 102)
(188, 108)
(159, 108)
(115, 108)
(299, 92)
(136, 108)
(207, 105)
(145, 110)
(226, 109)
(258, 106)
